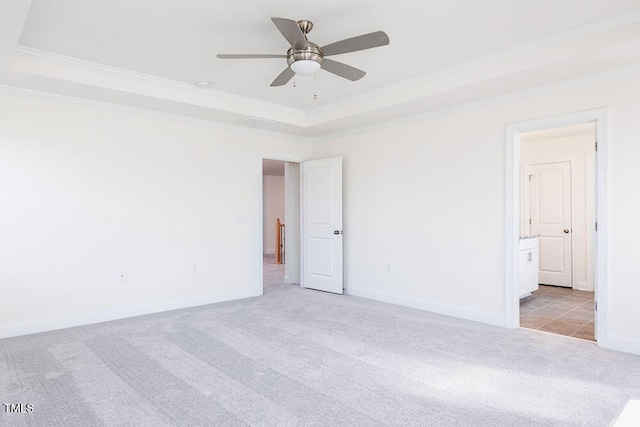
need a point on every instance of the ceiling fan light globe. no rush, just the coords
(305, 67)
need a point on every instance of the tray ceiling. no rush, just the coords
(143, 53)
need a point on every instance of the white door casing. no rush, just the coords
(513, 213)
(322, 225)
(551, 220)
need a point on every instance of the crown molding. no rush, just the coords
(619, 72)
(153, 85)
(70, 100)
(64, 99)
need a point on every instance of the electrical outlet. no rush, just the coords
(122, 277)
(195, 269)
(388, 267)
(242, 218)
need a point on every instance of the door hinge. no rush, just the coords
(530, 177)
(596, 145)
(596, 225)
(595, 306)
(529, 221)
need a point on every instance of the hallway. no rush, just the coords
(273, 274)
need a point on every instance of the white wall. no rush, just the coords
(273, 196)
(580, 151)
(88, 194)
(429, 197)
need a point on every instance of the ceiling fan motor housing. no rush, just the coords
(310, 53)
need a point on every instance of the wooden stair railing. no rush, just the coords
(279, 242)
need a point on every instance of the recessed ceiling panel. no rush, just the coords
(179, 40)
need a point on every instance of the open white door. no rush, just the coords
(322, 225)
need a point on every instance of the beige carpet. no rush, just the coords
(300, 357)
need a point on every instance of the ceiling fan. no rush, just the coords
(305, 57)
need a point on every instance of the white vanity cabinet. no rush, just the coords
(529, 265)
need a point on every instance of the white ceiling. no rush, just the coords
(561, 132)
(148, 53)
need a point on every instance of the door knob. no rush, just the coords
(566, 230)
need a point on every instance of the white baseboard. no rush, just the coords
(627, 345)
(582, 287)
(426, 305)
(44, 325)
(291, 280)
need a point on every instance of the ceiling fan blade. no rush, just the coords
(342, 70)
(365, 41)
(247, 56)
(291, 32)
(283, 77)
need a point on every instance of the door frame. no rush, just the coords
(512, 214)
(260, 211)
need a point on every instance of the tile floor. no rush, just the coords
(562, 311)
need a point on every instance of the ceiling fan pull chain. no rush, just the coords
(315, 86)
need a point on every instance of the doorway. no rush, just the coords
(555, 242)
(557, 199)
(311, 225)
(280, 224)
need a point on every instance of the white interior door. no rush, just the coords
(322, 224)
(551, 220)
